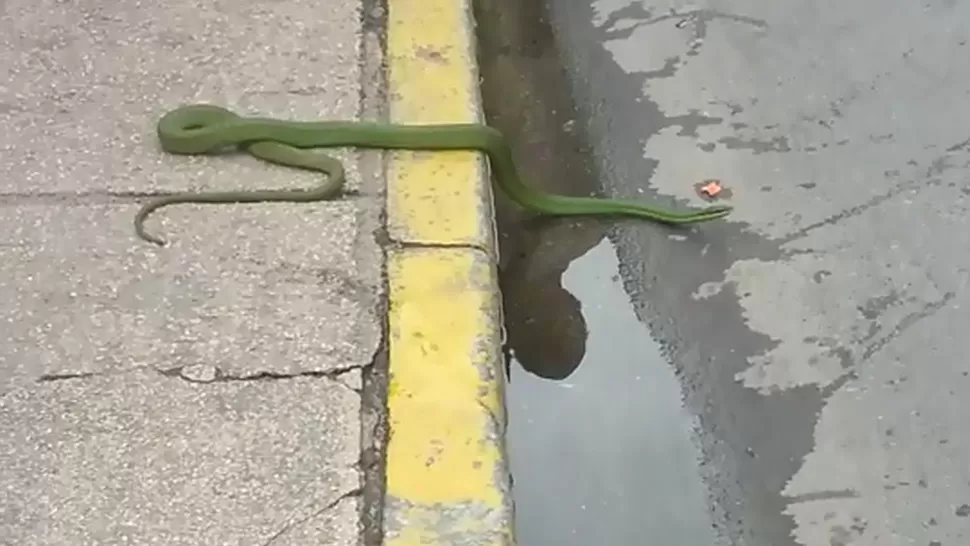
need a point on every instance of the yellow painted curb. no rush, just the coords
(436, 197)
(447, 480)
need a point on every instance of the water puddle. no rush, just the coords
(599, 443)
(600, 448)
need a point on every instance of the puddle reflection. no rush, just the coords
(601, 453)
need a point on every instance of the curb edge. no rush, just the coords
(447, 477)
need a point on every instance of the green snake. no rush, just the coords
(204, 129)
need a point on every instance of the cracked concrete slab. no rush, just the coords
(248, 289)
(142, 458)
(208, 392)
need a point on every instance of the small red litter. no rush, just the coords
(711, 188)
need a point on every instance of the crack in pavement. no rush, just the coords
(928, 310)
(51, 377)
(291, 524)
(206, 373)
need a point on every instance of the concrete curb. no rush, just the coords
(447, 478)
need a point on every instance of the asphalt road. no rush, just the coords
(816, 334)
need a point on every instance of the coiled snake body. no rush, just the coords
(203, 128)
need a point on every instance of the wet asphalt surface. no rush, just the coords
(793, 376)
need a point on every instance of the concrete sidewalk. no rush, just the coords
(237, 386)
